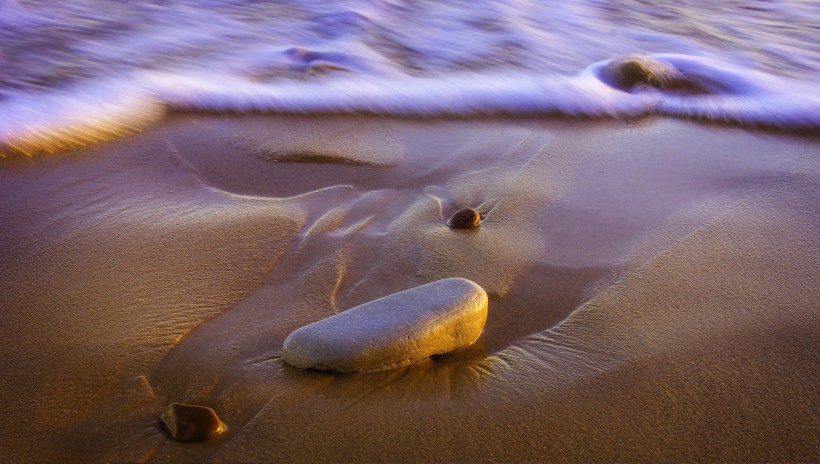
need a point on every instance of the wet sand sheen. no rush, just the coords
(634, 269)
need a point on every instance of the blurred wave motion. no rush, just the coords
(84, 70)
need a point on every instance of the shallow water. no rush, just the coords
(85, 70)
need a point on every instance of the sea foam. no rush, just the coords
(738, 96)
(75, 73)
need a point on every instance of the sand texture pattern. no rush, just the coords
(652, 285)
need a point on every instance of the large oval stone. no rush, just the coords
(394, 331)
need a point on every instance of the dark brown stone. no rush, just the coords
(638, 72)
(465, 218)
(188, 422)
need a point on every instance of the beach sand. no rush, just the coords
(654, 290)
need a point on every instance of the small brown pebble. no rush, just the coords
(188, 422)
(465, 218)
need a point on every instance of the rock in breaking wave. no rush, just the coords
(638, 72)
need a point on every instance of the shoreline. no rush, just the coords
(635, 269)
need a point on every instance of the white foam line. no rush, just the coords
(740, 97)
(463, 95)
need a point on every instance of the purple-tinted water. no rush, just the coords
(97, 68)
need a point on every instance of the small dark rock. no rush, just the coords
(465, 218)
(188, 422)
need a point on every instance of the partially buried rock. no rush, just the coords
(638, 72)
(188, 422)
(465, 218)
(394, 331)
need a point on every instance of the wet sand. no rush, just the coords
(653, 290)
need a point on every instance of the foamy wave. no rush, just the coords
(670, 85)
(459, 95)
(31, 124)
(722, 94)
